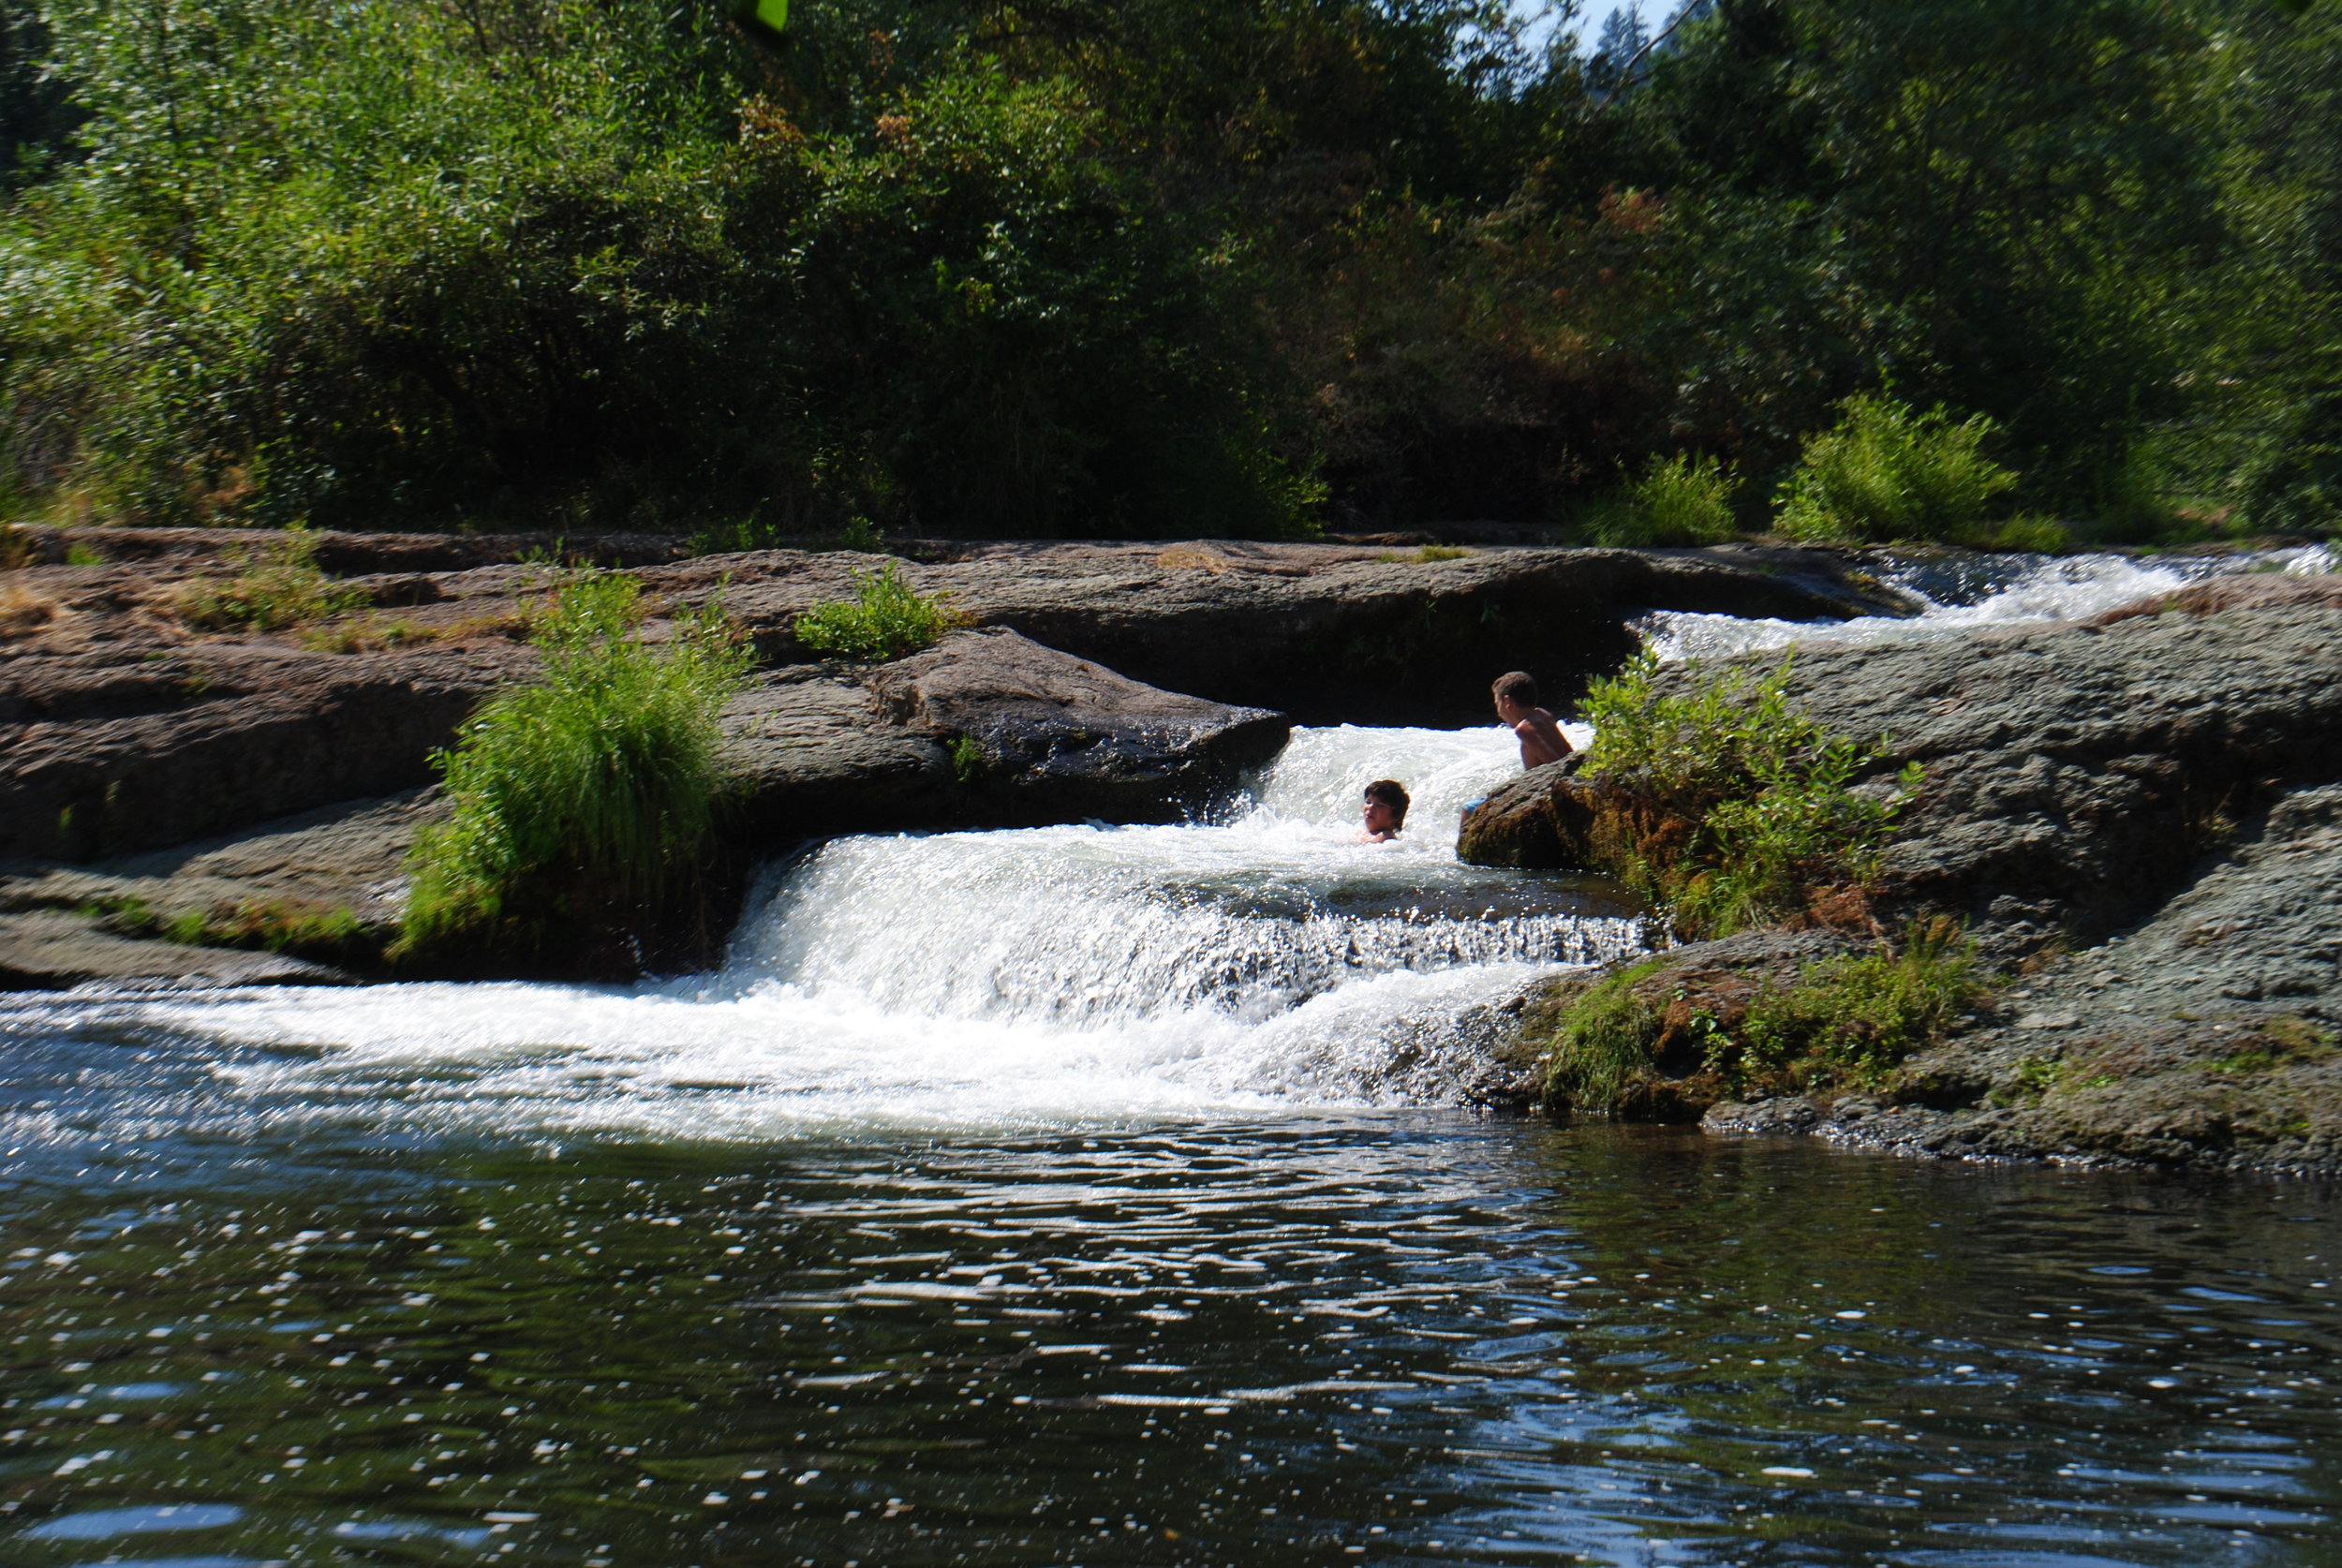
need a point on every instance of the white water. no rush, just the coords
(958, 979)
(1977, 592)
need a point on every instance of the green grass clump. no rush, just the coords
(887, 618)
(583, 797)
(1852, 1020)
(277, 584)
(1888, 473)
(1678, 502)
(1601, 1049)
(1742, 807)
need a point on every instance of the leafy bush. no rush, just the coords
(1738, 807)
(593, 791)
(279, 586)
(1886, 473)
(1679, 500)
(887, 618)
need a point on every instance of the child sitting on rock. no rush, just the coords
(1541, 738)
(1385, 811)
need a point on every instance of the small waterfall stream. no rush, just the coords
(1004, 979)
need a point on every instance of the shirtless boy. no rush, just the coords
(1385, 811)
(1541, 738)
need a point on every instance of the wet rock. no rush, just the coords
(1526, 823)
(1782, 1117)
(1044, 736)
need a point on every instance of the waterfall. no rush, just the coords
(961, 979)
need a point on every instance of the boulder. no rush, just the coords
(1521, 823)
(1044, 736)
(816, 755)
(2078, 778)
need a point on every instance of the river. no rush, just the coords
(1099, 1194)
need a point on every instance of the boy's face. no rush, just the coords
(1510, 711)
(1379, 817)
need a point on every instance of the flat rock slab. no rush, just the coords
(348, 856)
(51, 951)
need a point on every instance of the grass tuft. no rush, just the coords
(276, 585)
(1888, 473)
(1678, 502)
(1602, 1045)
(592, 791)
(886, 619)
(1852, 1020)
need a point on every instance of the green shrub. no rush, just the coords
(1852, 1020)
(277, 584)
(587, 794)
(1738, 806)
(1679, 500)
(1601, 1049)
(2039, 535)
(1886, 473)
(887, 618)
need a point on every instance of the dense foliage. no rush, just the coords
(1154, 266)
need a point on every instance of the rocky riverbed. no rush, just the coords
(152, 767)
(2140, 819)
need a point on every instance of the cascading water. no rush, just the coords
(981, 979)
(1967, 593)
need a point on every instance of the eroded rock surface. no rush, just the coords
(817, 749)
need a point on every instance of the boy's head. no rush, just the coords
(1516, 693)
(1385, 806)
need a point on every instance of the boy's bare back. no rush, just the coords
(1541, 738)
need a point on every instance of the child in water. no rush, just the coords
(1385, 811)
(1541, 738)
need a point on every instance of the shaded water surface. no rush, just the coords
(1404, 1337)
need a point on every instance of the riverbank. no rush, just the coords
(2138, 821)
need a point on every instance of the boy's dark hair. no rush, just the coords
(1391, 793)
(1520, 687)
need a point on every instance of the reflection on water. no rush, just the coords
(1409, 1336)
